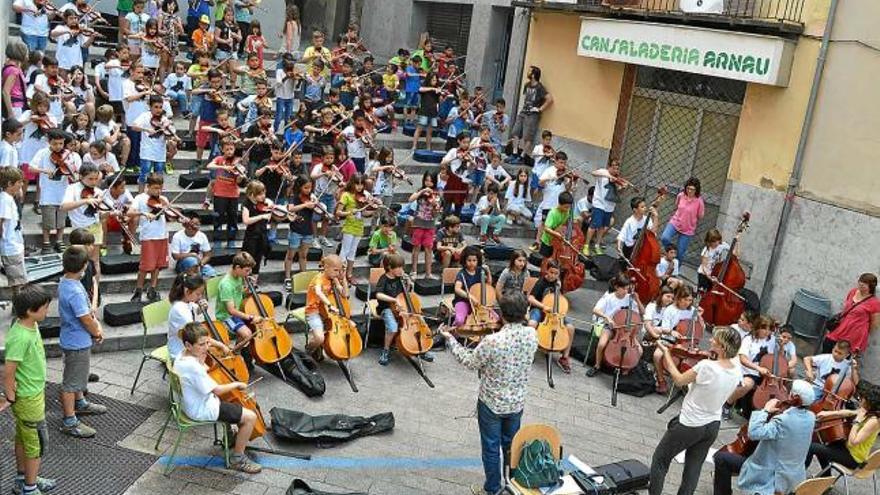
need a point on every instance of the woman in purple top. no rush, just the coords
(13, 79)
(689, 209)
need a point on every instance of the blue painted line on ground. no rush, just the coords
(401, 463)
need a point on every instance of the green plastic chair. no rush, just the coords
(212, 288)
(184, 423)
(153, 315)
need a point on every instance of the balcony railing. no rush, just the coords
(784, 15)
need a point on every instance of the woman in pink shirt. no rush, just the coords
(861, 314)
(689, 209)
(13, 79)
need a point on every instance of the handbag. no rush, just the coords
(835, 319)
(537, 467)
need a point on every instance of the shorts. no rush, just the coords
(295, 240)
(230, 413)
(75, 377)
(427, 121)
(600, 218)
(423, 238)
(455, 256)
(390, 320)
(30, 419)
(329, 201)
(234, 323)
(411, 99)
(315, 322)
(536, 314)
(535, 182)
(546, 250)
(757, 379)
(348, 247)
(53, 217)
(98, 231)
(14, 268)
(222, 55)
(154, 255)
(203, 138)
(477, 177)
(526, 126)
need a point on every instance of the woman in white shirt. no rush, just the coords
(696, 427)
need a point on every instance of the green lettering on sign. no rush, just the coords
(585, 42)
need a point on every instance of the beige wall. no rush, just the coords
(585, 90)
(770, 124)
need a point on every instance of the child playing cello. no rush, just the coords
(318, 299)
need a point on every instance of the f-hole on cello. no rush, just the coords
(552, 334)
(624, 350)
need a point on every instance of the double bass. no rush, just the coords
(552, 334)
(645, 256)
(567, 252)
(772, 386)
(722, 305)
(624, 350)
(270, 343)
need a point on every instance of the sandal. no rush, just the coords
(246, 466)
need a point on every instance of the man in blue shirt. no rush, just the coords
(79, 328)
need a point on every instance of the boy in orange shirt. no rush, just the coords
(318, 299)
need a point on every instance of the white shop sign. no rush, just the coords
(743, 56)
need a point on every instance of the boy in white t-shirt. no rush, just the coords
(53, 186)
(552, 181)
(838, 362)
(542, 154)
(618, 297)
(201, 396)
(71, 42)
(153, 142)
(714, 252)
(191, 250)
(605, 198)
(667, 268)
(109, 133)
(12, 131)
(642, 217)
(11, 239)
(81, 201)
(178, 86)
(118, 198)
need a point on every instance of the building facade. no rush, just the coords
(740, 98)
(491, 34)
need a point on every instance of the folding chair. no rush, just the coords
(184, 423)
(448, 278)
(527, 433)
(529, 284)
(153, 315)
(867, 470)
(370, 306)
(212, 288)
(814, 486)
(299, 285)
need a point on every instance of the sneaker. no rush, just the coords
(726, 412)
(43, 485)
(427, 357)
(92, 409)
(484, 238)
(564, 364)
(37, 209)
(327, 242)
(509, 221)
(93, 378)
(59, 247)
(384, 357)
(318, 354)
(79, 430)
(496, 239)
(136, 297)
(288, 285)
(244, 465)
(599, 250)
(169, 168)
(47, 249)
(586, 250)
(152, 295)
(592, 371)
(103, 252)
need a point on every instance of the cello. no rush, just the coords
(624, 350)
(567, 252)
(270, 343)
(645, 256)
(342, 341)
(552, 334)
(772, 386)
(481, 320)
(722, 305)
(223, 375)
(414, 337)
(234, 363)
(837, 391)
(686, 348)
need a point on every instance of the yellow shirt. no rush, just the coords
(324, 54)
(861, 451)
(390, 81)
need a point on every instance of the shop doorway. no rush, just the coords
(679, 125)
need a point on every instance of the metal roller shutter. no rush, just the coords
(449, 24)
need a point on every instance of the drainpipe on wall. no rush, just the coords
(797, 171)
(521, 67)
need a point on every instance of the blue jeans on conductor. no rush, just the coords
(185, 264)
(684, 240)
(496, 435)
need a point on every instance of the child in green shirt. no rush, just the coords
(383, 241)
(24, 384)
(230, 294)
(352, 215)
(556, 218)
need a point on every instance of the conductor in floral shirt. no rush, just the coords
(503, 360)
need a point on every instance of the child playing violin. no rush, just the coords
(547, 285)
(327, 178)
(555, 180)
(84, 204)
(357, 138)
(758, 343)
(156, 131)
(352, 209)
(381, 170)
(619, 296)
(149, 207)
(318, 301)
(118, 198)
(37, 123)
(275, 174)
(427, 207)
(681, 310)
(605, 198)
(256, 214)
(202, 396)
(472, 272)
(302, 229)
(71, 39)
(55, 166)
(228, 171)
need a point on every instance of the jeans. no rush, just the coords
(495, 221)
(148, 166)
(695, 441)
(283, 112)
(684, 240)
(180, 96)
(496, 434)
(185, 264)
(727, 466)
(390, 320)
(35, 43)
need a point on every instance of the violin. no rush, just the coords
(321, 209)
(397, 173)
(234, 362)
(723, 304)
(342, 340)
(238, 168)
(772, 386)
(62, 167)
(80, 29)
(415, 337)
(552, 334)
(481, 320)
(158, 44)
(279, 213)
(162, 126)
(91, 15)
(744, 446)
(567, 252)
(88, 193)
(58, 85)
(645, 256)
(271, 342)
(159, 207)
(333, 173)
(45, 7)
(43, 122)
(368, 202)
(364, 136)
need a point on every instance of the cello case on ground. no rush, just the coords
(296, 426)
(301, 371)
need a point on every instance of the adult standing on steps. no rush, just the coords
(689, 209)
(860, 315)
(503, 360)
(536, 99)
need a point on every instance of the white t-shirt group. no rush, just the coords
(631, 228)
(199, 401)
(12, 241)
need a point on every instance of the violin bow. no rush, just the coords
(175, 198)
